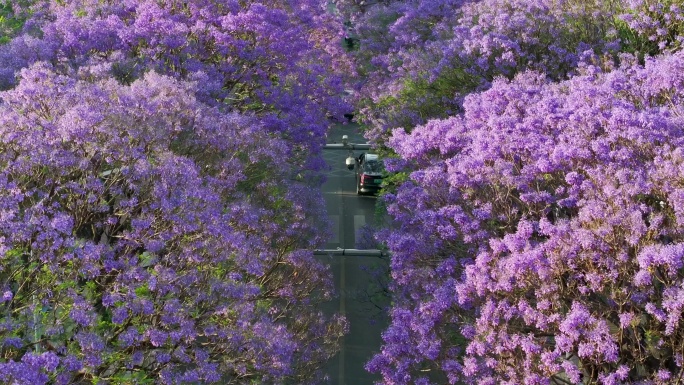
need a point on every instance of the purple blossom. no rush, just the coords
(147, 191)
(577, 180)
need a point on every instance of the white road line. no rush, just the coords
(343, 285)
(359, 221)
(343, 312)
(335, 219)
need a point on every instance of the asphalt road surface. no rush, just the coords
(358, 280)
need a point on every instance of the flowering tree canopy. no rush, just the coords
(159, 192)
(143, 235)
(274, 60)
(421, 57)
(540, 234)
(537, 220)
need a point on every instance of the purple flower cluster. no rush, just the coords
(421, 57)
(658, 25)
(159, 192)
(540, 234)
(275, 61)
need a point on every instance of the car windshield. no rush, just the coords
(373, 166)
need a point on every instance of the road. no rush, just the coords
(356, 278)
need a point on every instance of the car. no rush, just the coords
(369, 171)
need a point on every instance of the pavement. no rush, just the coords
(358, 280)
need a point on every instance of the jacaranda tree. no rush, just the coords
(540, 236)
(158, 172)
(421, 57)
(134, 248)
(273, 60)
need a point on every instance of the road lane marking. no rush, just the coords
(335, 219)
(343, 284)
(343, 311)
(359, 221)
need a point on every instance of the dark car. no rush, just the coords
(368, 174)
